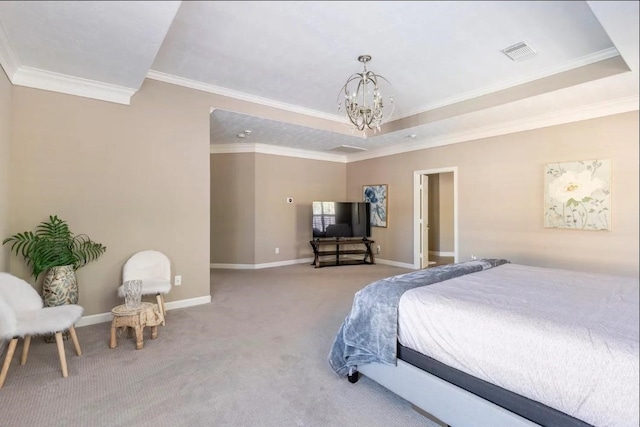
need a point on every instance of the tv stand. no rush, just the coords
(367, 252)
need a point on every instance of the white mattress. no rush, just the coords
(565, 339)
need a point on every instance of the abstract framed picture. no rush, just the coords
(577, 195)
(377, 196)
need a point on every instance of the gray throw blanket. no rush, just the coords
(370, 331)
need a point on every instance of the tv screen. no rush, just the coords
(341, 219)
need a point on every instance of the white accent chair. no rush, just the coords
(22, 315)
(154, 269)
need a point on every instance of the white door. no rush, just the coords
(424, 220)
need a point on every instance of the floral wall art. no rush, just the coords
(577, 195)
(377, 196)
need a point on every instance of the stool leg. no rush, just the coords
(161, 307)
(113, 343)
(154, 332)
(139, 341)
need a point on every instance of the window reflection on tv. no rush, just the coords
(341, 219)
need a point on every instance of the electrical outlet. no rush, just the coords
(177, 281)
(277, 250)
(378, 249)
(473, 257)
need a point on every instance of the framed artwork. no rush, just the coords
(377, 196)
(577, 195)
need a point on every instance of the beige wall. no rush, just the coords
(288, 226)
(387, 170)
(249, 213)
(6, 91)
(446, 242)
(233, 208)
(141, 176)
(131, 177)
(500, 195)
(135, 177)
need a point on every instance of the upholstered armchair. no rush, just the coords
(22, 315)
(153, 268)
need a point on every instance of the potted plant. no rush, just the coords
(54, 250)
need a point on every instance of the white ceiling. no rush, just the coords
(443, 58)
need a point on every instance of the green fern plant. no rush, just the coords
(54, 245)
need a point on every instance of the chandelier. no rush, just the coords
(362, 99)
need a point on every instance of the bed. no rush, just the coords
(491, 343)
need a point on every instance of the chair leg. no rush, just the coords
(63, 358)
(74, 338)
(160, 299)
(7, 360)
(25, 349)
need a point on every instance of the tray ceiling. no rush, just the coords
(443, 59)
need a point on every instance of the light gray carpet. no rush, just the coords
(255, 356)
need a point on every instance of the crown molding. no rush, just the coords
(21, 75)
(47, 80)
(8, 57)
(580, 62)
(206, 87)
(276, 150)
(622, 105)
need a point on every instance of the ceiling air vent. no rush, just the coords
(346, 149)
(519, 51)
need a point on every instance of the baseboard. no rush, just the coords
(298, 261)
(394, 263)
(93, 319)
(183, 303)
(438, 253)
(263, 265)
(171, 305)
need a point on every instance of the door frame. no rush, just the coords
(416, 211)
(424, 234)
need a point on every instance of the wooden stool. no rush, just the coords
(136, 318)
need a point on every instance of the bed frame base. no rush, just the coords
(429, 416)
(443, 400)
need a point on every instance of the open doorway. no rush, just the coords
(435, 217)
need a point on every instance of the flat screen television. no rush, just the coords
(341, 219)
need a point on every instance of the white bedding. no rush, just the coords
(565, 339)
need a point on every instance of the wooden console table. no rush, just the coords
(367, 252)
